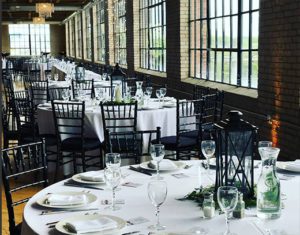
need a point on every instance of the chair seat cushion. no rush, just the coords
(74, 144)
(191, 134)
(184, 142)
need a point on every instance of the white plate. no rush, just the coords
(79, 180)
(90, 199)
(284, 166)
(60, 226)
(179, 165)
(169, 105)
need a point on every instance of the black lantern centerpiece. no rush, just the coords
(79, 72)
(117, 75)
(235, 153)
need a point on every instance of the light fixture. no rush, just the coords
(45, 10)
(38, 20)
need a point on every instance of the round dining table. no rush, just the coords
(179, 217)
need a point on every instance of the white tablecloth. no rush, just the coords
(178, 216)
(146, 120)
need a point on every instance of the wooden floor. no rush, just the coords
(18, 210)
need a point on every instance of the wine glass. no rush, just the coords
(56, 77)
(149, 91)
(227, 199)
(157, 193)
(65, 94)
(158, 95)
(163, 92)
(157, 152)
(113, 160)
(112, 178)
(208, 148)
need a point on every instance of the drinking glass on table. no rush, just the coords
(208, 148)
(163, 92)
(157, 152)
(227, 198)
(158, 95)
(157, 193)
(113, 160)
(149, 91)
(112, 178)
(66, 94)
(56, 77)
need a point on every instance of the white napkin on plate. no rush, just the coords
(164, 164)
(66, 200)
(293, 166)
(93, 176)
(89, 226)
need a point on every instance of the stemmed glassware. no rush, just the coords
(149, 91)
(163, 92)
(157, 152)
(157, 193)
(66, 94)
(227, 198)
(208, 148)
(113, 160)
(112, 178)
(158, 95)
(56, 77)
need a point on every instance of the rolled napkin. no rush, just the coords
(293, 166)
(93, 176)
(89, 226)
(66, 200)
(164, 164)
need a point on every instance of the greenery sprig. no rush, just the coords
(198, 196)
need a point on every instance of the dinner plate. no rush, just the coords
(60, 226)
(90, 199)
(169, 105)
(79, 180)
(284, 166)
(179, 165)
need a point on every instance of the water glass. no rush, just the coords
(112, 178)
(157, 152)
(158, 95)
(56, 77)
(163, 92)
(66, 95)
(208, 148)
(227, 199)
(157, 193)
(149, 91)
(113, 160)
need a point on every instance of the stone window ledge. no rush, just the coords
(252, 93)
(152, 72)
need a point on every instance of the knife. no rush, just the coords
(139, 170)
(66, 211)
(82, 186)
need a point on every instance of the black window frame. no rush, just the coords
(101, 30)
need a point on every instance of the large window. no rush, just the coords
(67, 38)
(73, 41)
(224, 41)
(100, 12)
(153, 35)
(120, 32)
(78, 36)
(88, 34)
(29, 39)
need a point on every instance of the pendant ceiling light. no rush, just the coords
(45, 10)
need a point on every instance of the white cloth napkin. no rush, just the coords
(293, 166)
(93, 176)
(89, 226)
(66, 200)
(164, 164)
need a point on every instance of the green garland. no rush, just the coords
(198, 196)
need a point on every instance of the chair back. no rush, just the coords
(200, 91)
(56, 93)
(188, 114)
(24, 110)
(39, 92)
(23, 167)
(213, 107)
(85, 85)
(68, 119)
(131, 144)
(119, 117)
